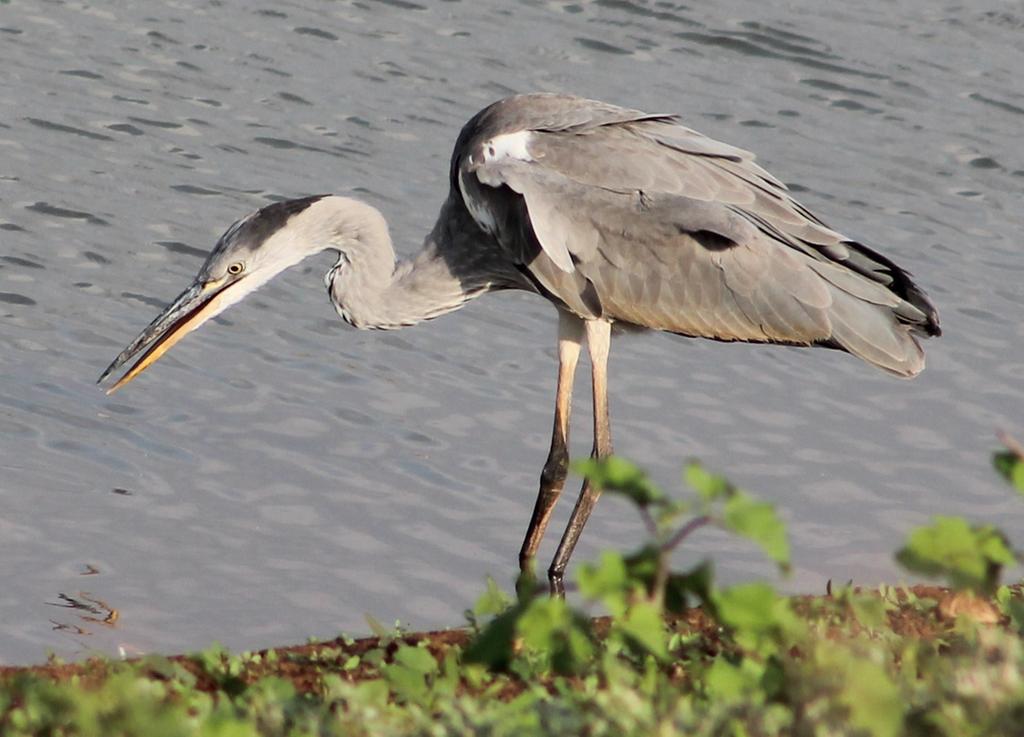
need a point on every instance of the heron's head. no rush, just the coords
(247, 256)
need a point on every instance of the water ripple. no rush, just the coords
(193, 189)
(16, 299)
(44, 208)
(126, 128)
(1000, 104)
(167, 124)
(17, 261)
(601, 46)
(61, 128)
(183, 248)
(317, 32)
(85, 73)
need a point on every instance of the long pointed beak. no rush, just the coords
(197, 304)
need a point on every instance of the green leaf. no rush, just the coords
(644, 626)
(493, 646)
(708, 486)
(1015, 609)
(869, 610)
(642, 564)
(493, 601)
(213, 659)
(967, 556)
(1011, 467)
(727, 681)
(407, 684)
(748, 607)
(371, 692)
(873, 701)
(550, 628)
(608, 581)
(758, 522)
(760, 619)
(351, 663)
(542, 620)
(619, 476)
(417, 659)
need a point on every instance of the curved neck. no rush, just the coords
(371, 291)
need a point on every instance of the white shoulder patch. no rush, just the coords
(507, 146)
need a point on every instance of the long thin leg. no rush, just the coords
(598, 342)
(552, 478)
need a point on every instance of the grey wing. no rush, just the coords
(646, 221)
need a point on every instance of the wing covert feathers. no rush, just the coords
(616, 214)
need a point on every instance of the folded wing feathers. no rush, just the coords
(782, 276)
(874, 335)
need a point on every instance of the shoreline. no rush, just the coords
(920, 611)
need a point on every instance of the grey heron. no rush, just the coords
(612, 215)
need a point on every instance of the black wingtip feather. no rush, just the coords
(902, 286)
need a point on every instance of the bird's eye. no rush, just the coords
(236, 268)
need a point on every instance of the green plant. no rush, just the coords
(970, 557)
(1009, 462)
(638, 588)
(854, 663)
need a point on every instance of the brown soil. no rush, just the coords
(305, 665)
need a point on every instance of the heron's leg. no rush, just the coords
(552, 478)
(598, 342)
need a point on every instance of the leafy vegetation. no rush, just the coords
(746, 661)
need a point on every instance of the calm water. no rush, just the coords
(278, 475)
